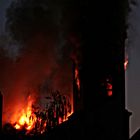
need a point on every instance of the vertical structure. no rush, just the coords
(1, 106)
(103, 70)
(127, 129)
(77, 91)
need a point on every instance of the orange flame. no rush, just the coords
(27, 118)
(125, 64)
(77, 78)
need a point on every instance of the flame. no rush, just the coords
(17, 126)
(125, 64)
(65, 119)
(77, 78)
(29, 121)
(27, 118)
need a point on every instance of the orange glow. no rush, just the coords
(109, 86)
(125, 64)
(26, 119)
(77, 78)
(109, 93)
(29, 121)
(68, 115)
(60, 120)
(17, 126)
(109, 89)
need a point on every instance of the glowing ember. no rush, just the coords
(77, 78)
(109, 88)
(125, 64)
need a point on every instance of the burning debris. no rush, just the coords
(35, 120)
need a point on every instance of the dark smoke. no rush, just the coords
(45, 58)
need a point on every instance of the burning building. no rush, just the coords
(102, 75)
(97, 79)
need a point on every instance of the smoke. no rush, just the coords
(37, 54)
(42, 63)
(132, 24)
(11, 48)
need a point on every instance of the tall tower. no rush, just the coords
(103, 70)
(1, 106)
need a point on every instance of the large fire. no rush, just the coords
(37, 120)
(27, 118)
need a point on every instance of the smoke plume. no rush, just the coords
(41, 57)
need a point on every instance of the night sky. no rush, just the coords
(133, 70)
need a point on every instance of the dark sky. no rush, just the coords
(133, 70)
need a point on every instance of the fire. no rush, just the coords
(125, 64)
(37, 119)
(27, 118)
(17, 126)
(109, 89)
(126, 61)
(77, 78)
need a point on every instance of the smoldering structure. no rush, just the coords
(96, 81)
